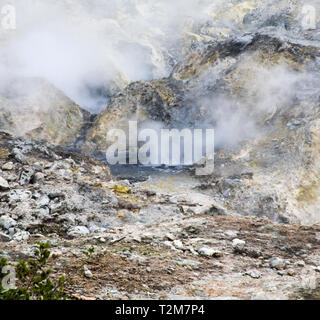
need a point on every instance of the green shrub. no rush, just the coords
(33, 280)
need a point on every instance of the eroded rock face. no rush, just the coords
(271, 171)
(33, 108)
(219, 73)
(140, 101)
(274, 176)
(259, 93)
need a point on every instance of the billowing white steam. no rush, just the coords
(91, 49)
(88, 49)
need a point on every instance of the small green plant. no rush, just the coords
(90, 255)
(33, 279)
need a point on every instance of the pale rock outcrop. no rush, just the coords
(33, 108)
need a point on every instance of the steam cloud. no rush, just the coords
(90, 49)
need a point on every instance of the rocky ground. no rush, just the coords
(162, 238)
